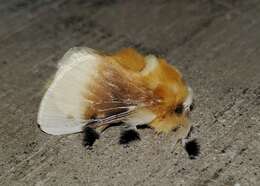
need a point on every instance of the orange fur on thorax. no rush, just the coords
(130, 59)
(165, 82)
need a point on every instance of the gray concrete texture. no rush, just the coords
(215, 43)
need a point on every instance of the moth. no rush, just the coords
(92, 91)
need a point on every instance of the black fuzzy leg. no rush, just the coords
(128, 136)
(90, 136)
(192, 148)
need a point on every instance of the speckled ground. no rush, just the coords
(215, 43)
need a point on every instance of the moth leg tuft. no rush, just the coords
(193, 148)
(129, 135)
(90, 136)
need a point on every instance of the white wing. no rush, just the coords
(62, 107)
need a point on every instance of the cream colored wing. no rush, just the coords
(62, 107)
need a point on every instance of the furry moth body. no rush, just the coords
(92, 91)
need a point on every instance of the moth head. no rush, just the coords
(184, 107)
(168, 84)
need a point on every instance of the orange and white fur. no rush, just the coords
(94, 90)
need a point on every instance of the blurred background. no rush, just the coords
(214, 43)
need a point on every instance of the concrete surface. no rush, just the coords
(215, 43)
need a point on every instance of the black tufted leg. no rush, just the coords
(90, 136)
(128, 135)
